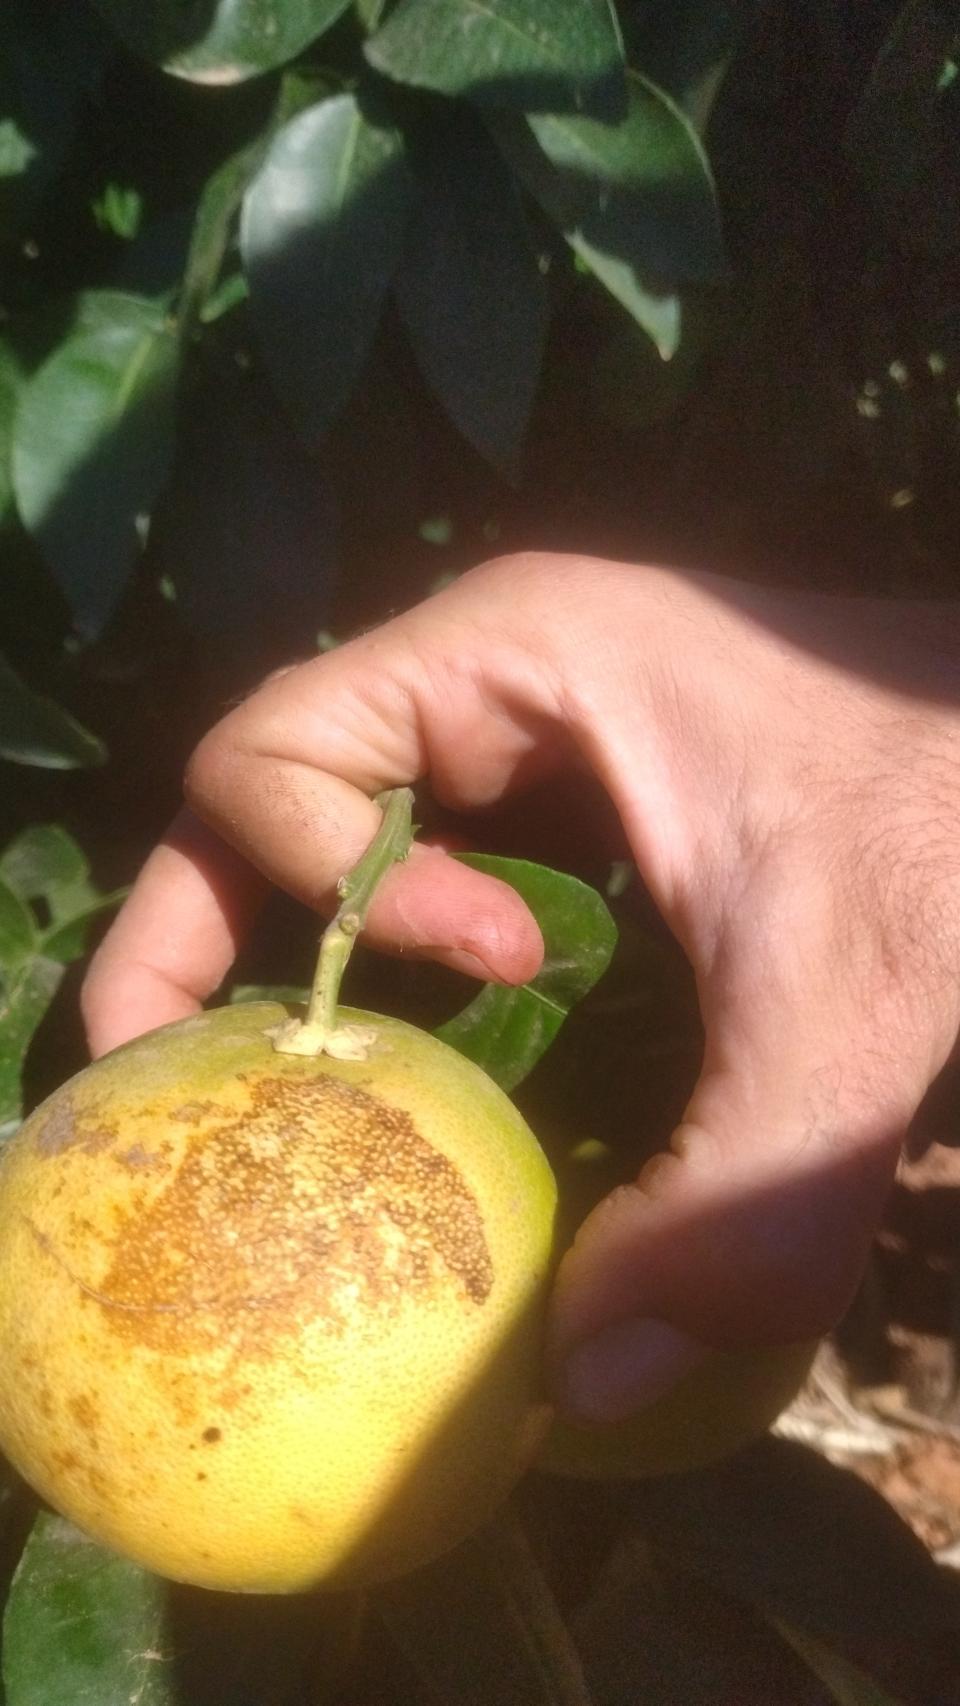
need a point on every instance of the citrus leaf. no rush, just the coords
(646, 1635)
(471, 293)
(658, 313)
(518, 53)
(222, 197)
(482, 1628)
(321, 231)
(216, 211)
(780, 1528)
(685, 46)
(9, 387)
(247, 529)
(507, 1030)
(17, 931)
(847, 1684)
(370, 12)
(636, 196)
(220, 41)
(36, 730)
(44, 865)
(47, 904)
(24, 999)
(84, 1626)
(92, 439)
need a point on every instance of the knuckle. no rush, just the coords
(210, 770)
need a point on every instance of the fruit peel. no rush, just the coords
(285, 1314)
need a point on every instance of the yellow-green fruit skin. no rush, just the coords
(731, 1399)
(267, 1321)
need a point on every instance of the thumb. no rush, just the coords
(753, 1230)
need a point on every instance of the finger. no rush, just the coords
(288, 777)
(174, 939)
(755, 1228)
(193, 903)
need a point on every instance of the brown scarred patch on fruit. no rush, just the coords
(320, 1201)
(192, 1112)
(64, 1128)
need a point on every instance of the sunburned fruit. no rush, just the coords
(269, 1321)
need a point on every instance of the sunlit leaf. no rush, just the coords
(36, 730)
(635, 200)
(92, 440)
(507, 1030)
(518, 53)
(85, 1627)
(25, 995)
(322, 226)
(471, 293)
(220, 41)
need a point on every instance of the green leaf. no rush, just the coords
(289, 994)
(220, 41)
(84, 1626)
(47, 904)
(481, 1626)
(44, 865)
(370, 13)
(218, 206)
(471, 293)
(685, 47)
(35, 730)
(658, 313)
(507, 1030)
(779, 1528)
(645, 1635)
(17, 932)
(321, 231)
(636, 199)
(9, 389)
(847, 1684)
(24, 998)
(92, 439)
(525, 54)
(247, 528)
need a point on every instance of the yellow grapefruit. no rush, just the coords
(266, 1320)
(731, 1399)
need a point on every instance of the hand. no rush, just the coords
(787, 773)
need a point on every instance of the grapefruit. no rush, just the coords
(269, 1321)
(729, 1400)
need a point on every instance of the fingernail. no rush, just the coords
(625, 1368)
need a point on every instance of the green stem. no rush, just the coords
(320, 1031)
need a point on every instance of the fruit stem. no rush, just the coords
(320, 1032)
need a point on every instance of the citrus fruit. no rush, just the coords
(729, 1400)
(269, 1321)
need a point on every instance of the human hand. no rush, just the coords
(787, 772)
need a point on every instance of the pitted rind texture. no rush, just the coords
(285, 1314)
